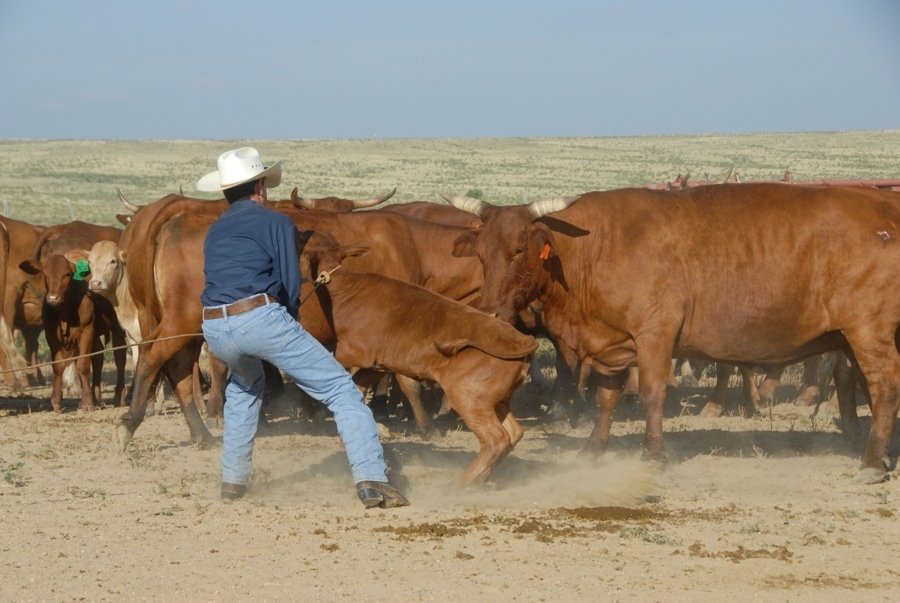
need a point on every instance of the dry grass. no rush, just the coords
(37, 176)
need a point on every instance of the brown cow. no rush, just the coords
(626, 277)
(21, 303)
(11, 361)
(478, 360)
(74, 323)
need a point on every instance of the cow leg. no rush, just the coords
(609, 390)
(810, 394)
(846, 380)
(879, 362)
(120, 357)
(83, 367)
(96, 366)
(632, 383)
(512, 427)
(152, 358)
(510, 423)
(567, 393)
(33, 375)
(716, 403)
(412, 389)
(197, 387)
(654, 361)
(751, 392)
(180, 372)
(378, 403)
(56, 391)
(394, 396)
(538, 378)
(481, 418)
(768, 386)
(215, 403)
(11, 362)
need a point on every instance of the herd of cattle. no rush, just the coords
(753, 275)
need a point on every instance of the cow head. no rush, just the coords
(320, 252)
(58, 273)
(107, 265)
(514, 248)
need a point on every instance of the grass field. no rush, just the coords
(38, 176)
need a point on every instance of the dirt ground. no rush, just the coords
(746, 509)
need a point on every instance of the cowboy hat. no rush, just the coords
(237, 167)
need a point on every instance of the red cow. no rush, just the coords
(478, 360)
(74, 323)
(626, 277)
(21, 303)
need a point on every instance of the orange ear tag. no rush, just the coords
(545, 252)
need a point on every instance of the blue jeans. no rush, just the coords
(269, 333)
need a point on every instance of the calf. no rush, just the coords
(110, 281)
(389, 325)
(74, 322)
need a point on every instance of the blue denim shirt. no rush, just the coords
(251, 250)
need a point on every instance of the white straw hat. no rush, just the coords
(237, 167)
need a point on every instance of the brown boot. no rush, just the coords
(380, 494)
(232, 491)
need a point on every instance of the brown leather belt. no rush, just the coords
(238, 307)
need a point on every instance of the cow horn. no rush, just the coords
(548, 206)
(301, 201)
(727, 175)
(129, 206)
(469, 204)
(361, 203)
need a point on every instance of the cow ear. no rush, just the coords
(123, 219)
(543, 240)
(31, 266)
(355, 249)
(77, 254)
(464, 245)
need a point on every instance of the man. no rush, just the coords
(251, 302)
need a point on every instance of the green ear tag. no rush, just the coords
(82, 268)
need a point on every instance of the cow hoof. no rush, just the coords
(123, 437)
(431, 435)
(212, 422)
(870, 475)
(559, 427)
(711, 410)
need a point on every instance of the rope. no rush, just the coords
(323, 279)
(103, 351)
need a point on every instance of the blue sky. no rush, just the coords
(198, 69)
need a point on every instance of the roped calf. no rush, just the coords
(74, 322)
(389, 325)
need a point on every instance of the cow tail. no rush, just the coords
(525, 347)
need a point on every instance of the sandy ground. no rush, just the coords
(746, 509)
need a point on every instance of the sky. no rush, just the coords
(348, 69)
